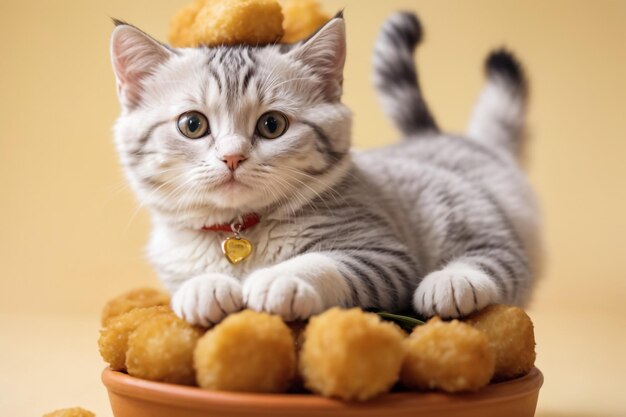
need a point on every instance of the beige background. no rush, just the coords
(71, 234)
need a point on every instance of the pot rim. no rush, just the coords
(198, 398)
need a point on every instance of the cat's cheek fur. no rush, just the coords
(296, 289)
(206, 299)
(455, 291)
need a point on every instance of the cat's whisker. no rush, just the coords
(181, 200)
(315, 192)
(327, 188)
(125, 185)
(284, 199)
(302, 199)
(166, 183)
(144, 200)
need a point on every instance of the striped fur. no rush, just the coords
(395, 75)
(444, 224)
(499, 114)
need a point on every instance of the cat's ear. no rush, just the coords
(134, 55)
(325, 54)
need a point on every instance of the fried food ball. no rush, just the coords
(161, 349)
(227, 22)
(139, 297)
(351, 354)
(181, 33)
(247, 351)
(449, 356)
(511, 336)
(70, 412)
(113, 341)
(302, 19)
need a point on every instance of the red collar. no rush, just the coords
(245, 222)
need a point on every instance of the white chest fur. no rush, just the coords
(181, 254)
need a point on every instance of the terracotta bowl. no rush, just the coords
(133, 397)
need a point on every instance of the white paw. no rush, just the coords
(288, 296)
(206, 299)
(455, 291)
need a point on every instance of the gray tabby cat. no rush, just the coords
(210, 136)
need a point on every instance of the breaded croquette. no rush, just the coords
(249, 352)
(511, 337)
(139, 297)
(351, 354)
(113, 341)
(161, 349)
(448, 356)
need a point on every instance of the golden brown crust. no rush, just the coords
(350, 354)
(181, 34)
(244, 22)
(161, 349)
(113, 341)
(249, 352)
(302, 19)
(449, 356)
(227, 22)
(511, 336)
(70, 412)
(139, 297)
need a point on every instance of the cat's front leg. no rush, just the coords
(206, 299)
(455, 291)
(480, 277)
(297, 288)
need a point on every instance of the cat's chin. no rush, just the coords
(234, 194)
(236, 201)
(233, 185)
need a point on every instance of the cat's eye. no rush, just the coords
(193, 125)
(272, 125)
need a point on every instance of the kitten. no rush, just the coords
(208, 136)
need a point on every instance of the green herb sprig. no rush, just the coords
(408, 323)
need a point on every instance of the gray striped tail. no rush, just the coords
(499, 114)
(395, 76)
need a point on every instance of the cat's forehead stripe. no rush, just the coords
(232, 69)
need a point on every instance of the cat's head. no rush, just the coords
(208, 134)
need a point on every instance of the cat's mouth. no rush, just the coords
(232, 182)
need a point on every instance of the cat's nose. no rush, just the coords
(233, 161)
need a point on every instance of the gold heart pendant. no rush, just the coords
(236, 249)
